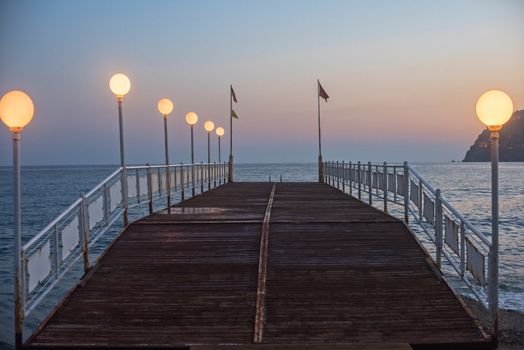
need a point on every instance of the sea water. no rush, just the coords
(48, 190)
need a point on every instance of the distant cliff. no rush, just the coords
(511, 142)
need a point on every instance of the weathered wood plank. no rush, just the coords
(338, 272)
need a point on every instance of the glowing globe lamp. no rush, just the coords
(16, 110)
(220, 131)
(209, 126)
(191, 118)
(119, 84)
(165, 106)
(494, 109)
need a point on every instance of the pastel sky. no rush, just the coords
(403, 75)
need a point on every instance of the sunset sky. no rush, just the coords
(403, 76)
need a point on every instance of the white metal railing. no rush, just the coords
(451, 236)
(52, 252)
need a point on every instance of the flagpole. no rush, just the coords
(230, 172)
(320, 165)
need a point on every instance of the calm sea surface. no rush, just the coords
(47, 190)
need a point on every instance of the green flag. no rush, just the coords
(233, 114)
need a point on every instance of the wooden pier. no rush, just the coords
(264, 266)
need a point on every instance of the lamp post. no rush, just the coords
(209, 126)
(16, 111)
(165, 106)
(120, 86)
(494, 108)
(192, 119)
(220, 133)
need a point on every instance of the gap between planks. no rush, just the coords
(262, 271)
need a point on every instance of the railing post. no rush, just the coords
(85, 232)
(406, 192)
(192, 179)
(209, 175)
(197, 176)
(214, 174)
(395, 184)
(321, 174)
(202, 177)
(378, 180)
(385, 186)
(137, 186)
(168, 188)
(462, 249)
(280, 177)
(370, 184)
(189, 178)
(174, 178)
(420, 200)
(350, 179)
(182, 189)
(125, 198)
(334, 173)
(338, 175)
(159, 177)
(438, 227)
(149, 189)
(230, 169)
(327, 173)
(56, 245)
(359, 181)
(106, 202)
(343, 176)
(330, 173)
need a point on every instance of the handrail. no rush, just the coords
(97, 187)
(421, 179)
(51, 224)
(156, 166)
(455, 239)
(466, 222)
(451, 208)
(51, 253)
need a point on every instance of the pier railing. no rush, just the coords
(458, 248)
(89, 225)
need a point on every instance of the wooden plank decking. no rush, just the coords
(339, 275)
